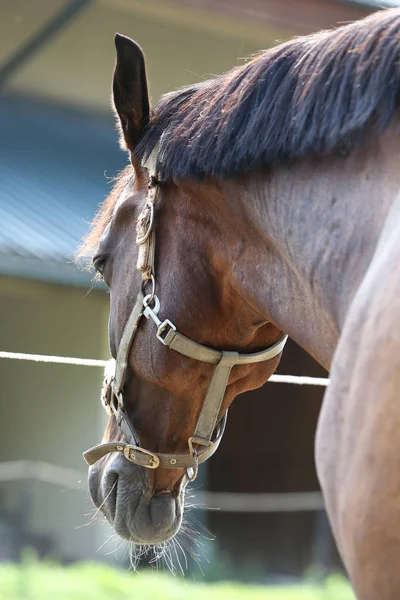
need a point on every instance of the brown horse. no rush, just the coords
(274, 194)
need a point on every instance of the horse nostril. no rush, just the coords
(109, 502)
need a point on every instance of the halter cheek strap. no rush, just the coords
(207, 433)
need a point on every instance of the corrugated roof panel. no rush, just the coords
(55, 169)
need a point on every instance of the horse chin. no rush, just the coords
(147, 523)
(123, 498)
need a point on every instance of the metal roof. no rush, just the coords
(376, 3)
(55, 167)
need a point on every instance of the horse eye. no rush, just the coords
(99, 263)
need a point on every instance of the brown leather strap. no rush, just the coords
(213, 400)
(144, 458)
(184, 345)
(125, 344)
(126, 426)
(152, 460)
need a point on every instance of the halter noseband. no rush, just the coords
(207, 434)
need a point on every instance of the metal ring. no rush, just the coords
(191, 477)
(153, 288)
(195, 456)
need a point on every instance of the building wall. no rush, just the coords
(51, 412)
(268, 447)
(76, 66)
(184, 41)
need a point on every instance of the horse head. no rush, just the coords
(202, 343)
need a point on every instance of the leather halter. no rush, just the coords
(208, 432)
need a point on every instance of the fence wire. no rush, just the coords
(91, 362)
(205, 500)
(63, 477)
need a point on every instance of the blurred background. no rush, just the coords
(58, 154)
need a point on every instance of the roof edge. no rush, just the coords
(47, 271)
(376, 4)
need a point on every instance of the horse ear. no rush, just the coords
(130, 95)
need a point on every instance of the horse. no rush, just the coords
(258, 204)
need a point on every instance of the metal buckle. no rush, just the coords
(113, 405)
(161, 329)
(152, 313)
(105, 398)
(106, 390)
(109, 400)
(115, 402)
(148, 207)
(130, 454)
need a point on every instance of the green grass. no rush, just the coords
(86, 581)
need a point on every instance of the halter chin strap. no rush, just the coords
(207, 433)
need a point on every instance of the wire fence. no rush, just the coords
(91, 362)
(203, 500)
(66, 478)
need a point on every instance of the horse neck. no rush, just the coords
(316, 225)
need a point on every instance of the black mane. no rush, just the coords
(312, 95)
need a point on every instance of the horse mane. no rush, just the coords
(312, 95)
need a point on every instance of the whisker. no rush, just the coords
(112, 536)
(87, 514)
(104, 501)
(179, 545)
(172, 555)
(115, 550)
(168, 558)
(193, 536)
(133, 557)
(204, 531)
(174, 549)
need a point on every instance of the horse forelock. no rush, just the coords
(312, 95)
